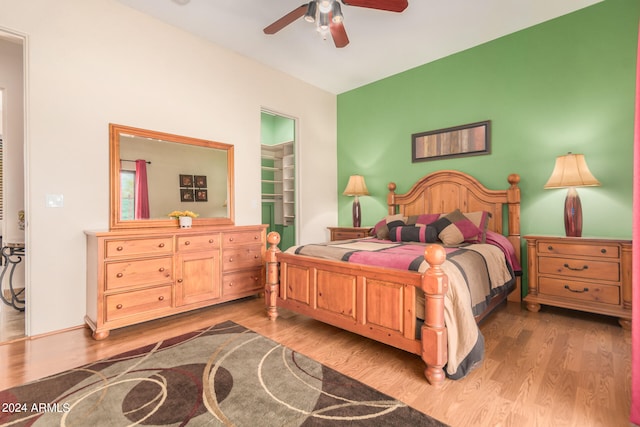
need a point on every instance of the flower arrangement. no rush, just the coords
(178, 214)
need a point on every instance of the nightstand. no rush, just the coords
(587, 274)
(345, 233)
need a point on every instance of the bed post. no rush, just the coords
(391, 198)
(513, 202)
(435, 284)
(272, 285)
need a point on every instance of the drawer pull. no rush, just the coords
(550, 248)
(584, 267)
(231, 239)
(210, 240)
(187, 243)
(231, 259)
(577, 291)
(161, 269)
(119, 275)
(256, 237)
(179, 280)
(256, 256)
(119, 306)
(119, 248)
(161, 245)
(603, 251)
(160, 298)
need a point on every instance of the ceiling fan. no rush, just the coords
(328, 16)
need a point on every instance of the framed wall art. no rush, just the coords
(200, 181)
(186, 180)
(186, 195)
(459, 141)
(201, 195)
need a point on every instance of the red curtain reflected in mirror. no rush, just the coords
(141, 197)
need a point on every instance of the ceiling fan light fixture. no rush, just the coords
(323, 21)
(325, 6)
(310, 15)
(336, 13)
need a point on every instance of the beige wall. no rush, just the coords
(90, 63)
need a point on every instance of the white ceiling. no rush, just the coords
(381, 43)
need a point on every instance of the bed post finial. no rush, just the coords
(272, 283)
(435, 284)
(391, 198)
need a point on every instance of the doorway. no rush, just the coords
(12, 193)
(278, 175)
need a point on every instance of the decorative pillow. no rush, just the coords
(455, 228)
(413, 233)
(481, 220)
(381, 229)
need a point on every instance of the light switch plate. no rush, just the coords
(55, 200)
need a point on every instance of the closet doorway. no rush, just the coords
(278, 175)
(12, 193)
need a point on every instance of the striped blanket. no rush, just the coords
(476, 273)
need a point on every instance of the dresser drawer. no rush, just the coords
(583, 291)
(130, 247)
(127, 304)
(241, 238)
(127, 274)
(238, 283)
(593, 250)
(580, 268)
(346, 235)
(242, 257)
(198, 242)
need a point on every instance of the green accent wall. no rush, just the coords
(566, 85)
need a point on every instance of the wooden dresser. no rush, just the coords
(585, 274)
(140, 275)
(345, 233)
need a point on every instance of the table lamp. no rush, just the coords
(571, 171)
(356, 187)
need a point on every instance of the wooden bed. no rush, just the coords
(377, 302)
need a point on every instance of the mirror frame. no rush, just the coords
(115, 223)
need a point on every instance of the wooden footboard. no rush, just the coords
(374, 302)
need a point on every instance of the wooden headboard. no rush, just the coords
(447, 190)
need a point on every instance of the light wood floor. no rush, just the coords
(11, 323)
(553, 368)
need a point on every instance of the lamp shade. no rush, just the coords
(356, 186)
(571, 170)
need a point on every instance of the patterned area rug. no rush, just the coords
(222, 375)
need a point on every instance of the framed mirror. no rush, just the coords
(152, 174)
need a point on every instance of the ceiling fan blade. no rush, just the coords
(286, 19)
(390, 5)
(339, 34)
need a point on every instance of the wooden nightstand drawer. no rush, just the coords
(581, 268)
(346, 233)
(584, 291)
(604, 250)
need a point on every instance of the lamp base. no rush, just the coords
(572, 214)
(356, 212)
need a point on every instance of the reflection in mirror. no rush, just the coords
(154, 173)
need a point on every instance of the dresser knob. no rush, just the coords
(161, 298)
(231, 259)
(210, 240)
(119, 306)
(550, 248)
(187, 243)
(161, 269)
(231, 239)
(179, 280)
(119, 248)
(161, 245)
(256, 237)
(603, 251)
(256, 256)
(119, 275)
